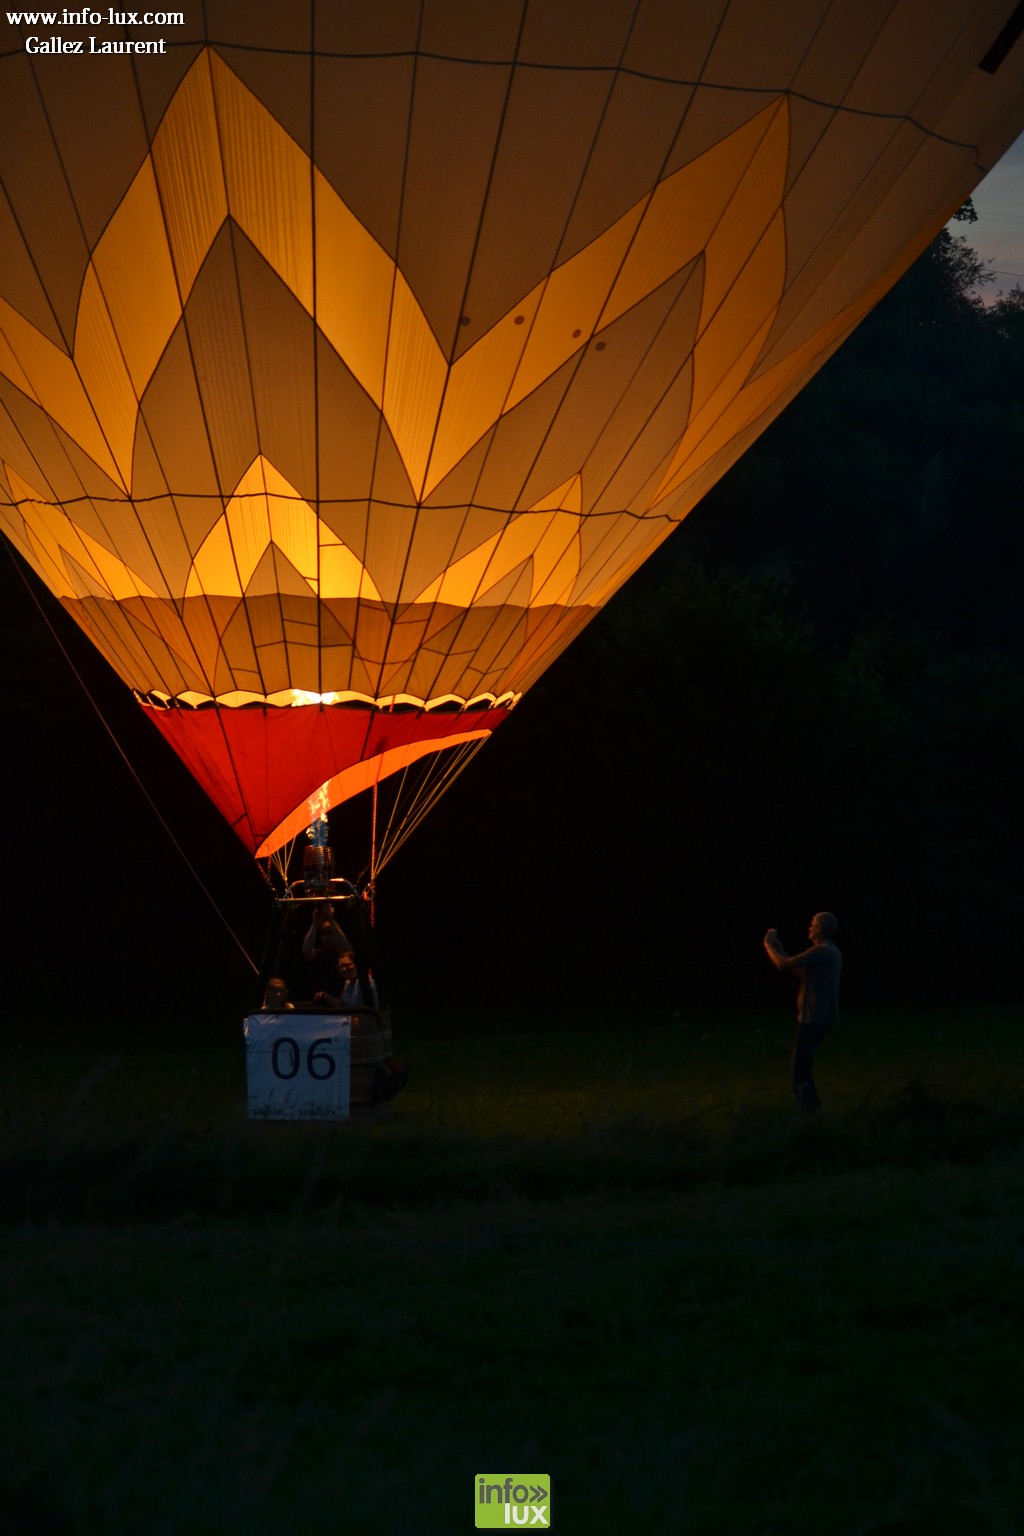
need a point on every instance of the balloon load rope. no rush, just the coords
(373, 858)
(130, 766)
(424, 798)
(435, 777)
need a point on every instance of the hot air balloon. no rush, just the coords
(352, 356)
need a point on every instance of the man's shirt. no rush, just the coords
(817, 970)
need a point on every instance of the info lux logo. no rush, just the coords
(513, 1499)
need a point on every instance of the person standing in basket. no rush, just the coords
(347, 991)
(325, 940)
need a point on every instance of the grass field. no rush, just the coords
(610, 1254)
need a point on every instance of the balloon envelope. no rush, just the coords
(352, 356)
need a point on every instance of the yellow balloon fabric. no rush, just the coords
(352, 356)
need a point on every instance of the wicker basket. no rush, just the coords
(370, 1046)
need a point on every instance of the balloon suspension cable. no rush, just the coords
(439, 777)
(280, 859)
(373, 857)
(131, 768)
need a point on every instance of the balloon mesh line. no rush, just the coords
(582, 355)
(379, 687)
(563, 68)
(186, 325)
(69, 460)
(131, 768)
(315, 357)
(454, 638)
(95, 500)
(456, 632)
(705, 321)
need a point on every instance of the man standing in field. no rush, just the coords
(817, 1000)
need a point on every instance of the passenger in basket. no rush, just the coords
(325, 940)
(347, 991)
(275, 999)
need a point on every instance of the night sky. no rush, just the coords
(998, 235)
